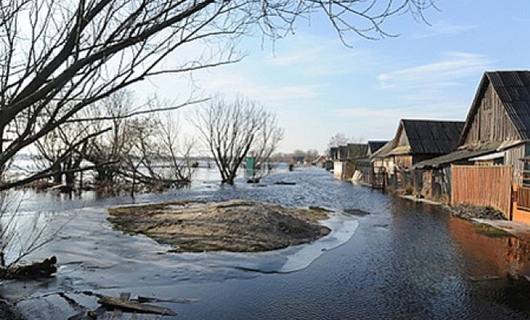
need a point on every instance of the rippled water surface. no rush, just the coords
(404, 260)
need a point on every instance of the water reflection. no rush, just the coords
(403, 260)
(490, 257)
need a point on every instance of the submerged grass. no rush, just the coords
(490, 231)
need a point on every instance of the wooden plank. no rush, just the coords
(117, 313)
(127, 305)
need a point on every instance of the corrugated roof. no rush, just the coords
(383, 151)
(463, 154)
(458, 155)
(373, 146)
(431, 136)
(513, 89)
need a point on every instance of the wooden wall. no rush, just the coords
(403, 161)
(513, 158)
(483, 186)
(403, 140)
(490, 123)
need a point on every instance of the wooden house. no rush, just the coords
(497, 127)
(418, 140)
(381, 161)
(346, 159)
(499, 118)
(496, 131)
(370, 167)
(374, 146)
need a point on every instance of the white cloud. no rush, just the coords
(382, 123)
(453, 66)
(321, 57)
(442, 28)
(244, 85)
(441, 110)
(437, 81)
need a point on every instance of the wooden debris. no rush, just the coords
(484, 278)
(35, 270)
(285, 183)
(143, 299)
(126, 305)
(356, 212)
(118, 312)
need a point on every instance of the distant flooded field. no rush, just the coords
(403, 260)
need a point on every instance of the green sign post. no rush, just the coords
(250, 167)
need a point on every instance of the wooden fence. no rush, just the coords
(483, 186)
(521, 204)
(523, 198)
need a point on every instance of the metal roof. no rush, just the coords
(383, 151)
(430, 136)
(491, 156)
(458, 155)
(462, 155)
(373, 146)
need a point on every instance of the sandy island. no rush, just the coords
(236, 225)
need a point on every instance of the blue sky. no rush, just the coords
(318, 87)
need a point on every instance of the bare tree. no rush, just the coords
(107, 151)
(176, 150)
(63, 150)
(139, 149)
(58, 57)
(234, 130)
(339, 139)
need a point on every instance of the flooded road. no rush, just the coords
(404, 260)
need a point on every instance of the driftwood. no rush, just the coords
(285, 183)
(112, 308)
(484, 278)
(127, 305)
(35, 270)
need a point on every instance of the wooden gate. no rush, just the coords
(483, 186)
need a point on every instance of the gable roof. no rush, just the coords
(384, 151)
(513, 89)
(428, 136)
(373, 146)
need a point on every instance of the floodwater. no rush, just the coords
(404, 260)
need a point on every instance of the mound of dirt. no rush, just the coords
(236, 225)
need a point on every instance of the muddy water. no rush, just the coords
(404, 260)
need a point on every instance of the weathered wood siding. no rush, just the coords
(490, 123)
(513, 158)
(403, 161)
(403, 140)
(482, 186)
